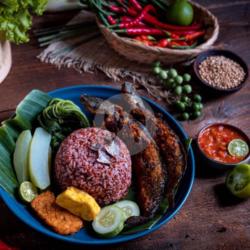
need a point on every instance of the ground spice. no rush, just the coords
(221, 72)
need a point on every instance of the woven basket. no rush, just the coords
(136, 51)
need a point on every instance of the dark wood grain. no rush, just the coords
(211, 218)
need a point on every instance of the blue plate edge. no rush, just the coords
(128, 237)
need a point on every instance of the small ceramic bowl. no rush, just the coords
(217, 164)
(227, 54)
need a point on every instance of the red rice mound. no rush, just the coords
(76, 164)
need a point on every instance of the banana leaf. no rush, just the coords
(6, 139)
(26, 113)
(6, 164)
(31, 106)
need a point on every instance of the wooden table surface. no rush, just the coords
(211, 218)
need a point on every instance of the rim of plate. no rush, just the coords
(124, 238)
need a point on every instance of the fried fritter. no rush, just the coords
(60, 220)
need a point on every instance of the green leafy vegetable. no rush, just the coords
(25, 115)
(16, 18)
(60, 118)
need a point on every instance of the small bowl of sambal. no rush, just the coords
(223, 145)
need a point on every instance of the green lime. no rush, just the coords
(27, 191)
(178, 90)
(196, 106)
(187, 88)
(196, 114)
(164, 74)
(180, 12)
(180, 106)
(186, 77)
(185, 99)
(157, 70)
(185, 116)
(238, 147)
(201, 106)
(169, 83)
(157, 64)
(197, 98)
(179, 79)
(238, 181)
(172, 73)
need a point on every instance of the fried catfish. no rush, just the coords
(146, 161)
(171, 149)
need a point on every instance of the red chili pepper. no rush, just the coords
(131, 12)
(141, 31)
(163, 43)
(111, 20)
(125, 19)
(138, 19)
(174, 36)
(195, 35)
(117, 9)
(136, 4)
(154, 21)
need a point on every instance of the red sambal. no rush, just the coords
(214, 140)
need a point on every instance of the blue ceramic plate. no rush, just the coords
(83, 237)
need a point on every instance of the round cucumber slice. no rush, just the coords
(27, 191)
(109, 222)
(129, 208)
(238, 147)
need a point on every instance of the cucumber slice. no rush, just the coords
(21, 156)
(109, 222)
(129, 208)
(27, 191)
(39, 159)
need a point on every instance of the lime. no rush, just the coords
(238, 147)
(179, 79)
(27, 191)
(172, 73)
(180, 12)
(169, 83)
(178, 90)
(187, 88)
(238, 181)
(196, 114)
(197, 98)
(157, 70)
(164, 74)
(186, 77)
(185, 116)
(180, 105)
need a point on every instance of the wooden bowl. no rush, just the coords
(135, 51)
(227, 54)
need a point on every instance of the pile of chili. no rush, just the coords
(135, 18)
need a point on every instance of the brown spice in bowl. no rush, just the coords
(221, 72)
